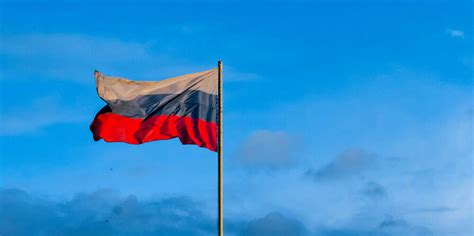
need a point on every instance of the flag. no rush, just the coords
(183, 107)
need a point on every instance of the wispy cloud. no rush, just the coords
(41, 113)
(264, 148)
(349, 162)
(275, 224)
(374, 190)
(393, 226)
(73, 57)
(233, 75)
(441, 209)
(389, 226)
(455, 33)
(67, 56)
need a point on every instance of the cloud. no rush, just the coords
(275, 224)
(397, 136)
(263, 148)
(73, 57)
(41, 113)
(105, 212)
(70, 57)
(389, 226)
(233, 75)
(347, 163)
(455, 33)
(374, 190)
(392, 226)
(441, 209)
(102, 212)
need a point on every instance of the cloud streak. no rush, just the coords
(455, 33)
(41, 113)
(350, 162)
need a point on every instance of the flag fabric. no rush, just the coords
(183, 107)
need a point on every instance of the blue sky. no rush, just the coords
(340, 118)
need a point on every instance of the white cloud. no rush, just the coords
(455, 33)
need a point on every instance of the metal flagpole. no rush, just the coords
(219, 153)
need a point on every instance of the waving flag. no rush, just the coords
(139, 111)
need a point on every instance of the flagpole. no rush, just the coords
(219, 160)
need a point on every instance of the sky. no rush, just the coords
(340, 118)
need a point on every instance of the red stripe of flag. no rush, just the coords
(116, 128)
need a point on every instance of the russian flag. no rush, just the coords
(183, 107)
